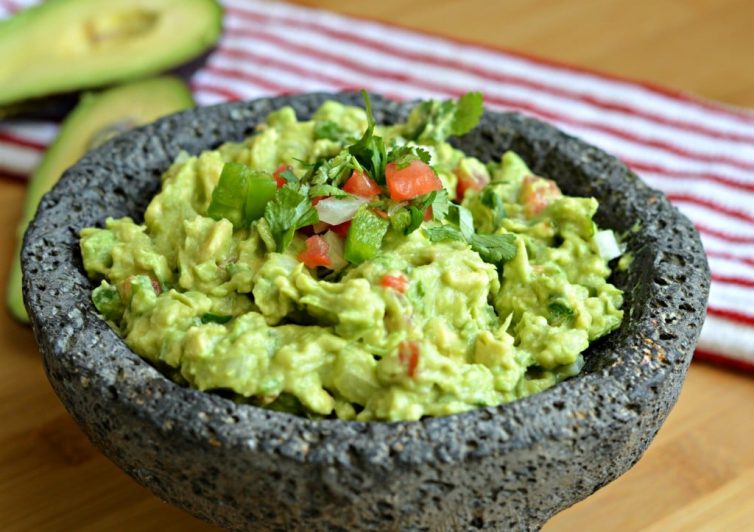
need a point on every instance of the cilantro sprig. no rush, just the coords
(290, 210)
(369, 151)
(405, 154)
(434, 121)
(492, 248)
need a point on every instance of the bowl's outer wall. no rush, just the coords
(512, 466)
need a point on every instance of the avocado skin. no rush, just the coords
(57, 106)
(178, 53)
(136, 103)
(46, 108)
(508, 467)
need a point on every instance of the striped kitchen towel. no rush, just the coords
(700, 153)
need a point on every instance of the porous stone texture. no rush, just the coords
(245, 468)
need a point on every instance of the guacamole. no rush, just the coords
(334, 267)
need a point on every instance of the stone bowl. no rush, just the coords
(242, 467)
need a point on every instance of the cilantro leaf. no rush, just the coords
(440, 205)
(333, 171)
(327, 190)
(492, 200)
(417, 217)
(288, 211)
(494, 248)
(422, 202)
(461, 217)
(468, 111)
(442, 233)
(289, 176)
(405, 154)
(433, 121)
(369, 151)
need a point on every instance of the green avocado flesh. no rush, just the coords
(97, 118)
(68, 45)
(490, 295)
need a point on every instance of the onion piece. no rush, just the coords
(335, 251)
(395, 207)
(335, 211)
(607, 244)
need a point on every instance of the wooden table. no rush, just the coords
(699, 472)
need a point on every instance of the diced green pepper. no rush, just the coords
(229, 197)
(364, 237)
(262, 188)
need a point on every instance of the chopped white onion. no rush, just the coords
(335, 211)
(607, 245)
(335, 251)
(395, 207)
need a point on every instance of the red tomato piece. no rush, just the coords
(316, 253)
(428, 214)
(125, 288)
(276, 174)
(536, 193)
(408, 354)
(469, 181)
(399, 283)
(414, 180)
(341, 229)
(360, 184)
(156, 286)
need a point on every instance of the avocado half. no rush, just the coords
(97, 118)
(68, 45)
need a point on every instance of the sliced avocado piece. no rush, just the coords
(96, 119)
(67, 45)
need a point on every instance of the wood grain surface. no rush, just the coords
(699, 472)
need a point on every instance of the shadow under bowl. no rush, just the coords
(511, 466)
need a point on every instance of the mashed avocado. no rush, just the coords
(333, 267)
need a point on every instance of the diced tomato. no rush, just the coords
(399, 283)
(469, 180)
(156, 285)
(276, 174)
(318, 199)
(341, 229)
(360, 184)
(414, 180)
(125, 288)
(536, 193)
(408, 354)
(428, 214)
(315, 253)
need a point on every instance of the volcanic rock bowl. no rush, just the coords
(242, 467)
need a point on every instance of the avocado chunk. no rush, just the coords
(97, 118)
(67, 45)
